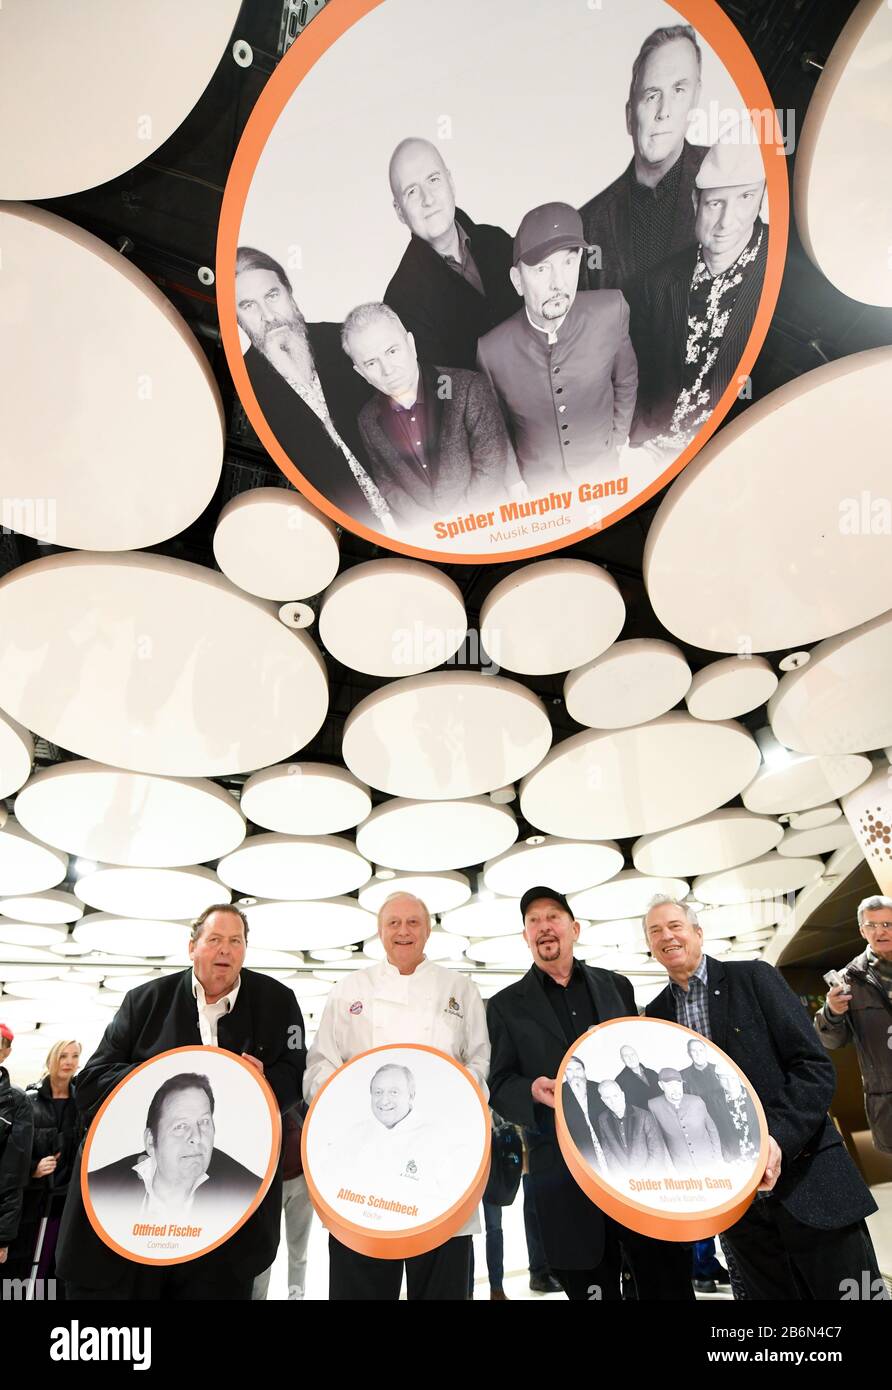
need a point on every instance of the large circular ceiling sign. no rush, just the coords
(660, 1128)
(180, 1155)
(396, 1151)
(466, 331)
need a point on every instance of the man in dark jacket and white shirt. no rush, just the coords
(804, 1235)
(218, 1004)
(860, 1011)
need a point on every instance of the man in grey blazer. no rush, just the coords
(563, 368)
(688, 1132)
(434, 436)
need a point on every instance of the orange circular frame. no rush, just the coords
(418, 1240)
(315, 41)
(276, 1121)
(681, 1226)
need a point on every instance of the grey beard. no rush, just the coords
(297, 354)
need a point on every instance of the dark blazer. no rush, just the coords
(227, 1180)
(163, 1014)
(756, 1018)
(644, 1150)
(607, 222)
(576, 1121)
(528, 1042)
(688, 1132)
(639, 1092)
(467, 446)
(659, 332)
(300, 431)
(16, 1135)
(439, 308)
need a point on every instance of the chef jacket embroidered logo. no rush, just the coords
(454, 1007)
(411, 1170)
(356, 1007)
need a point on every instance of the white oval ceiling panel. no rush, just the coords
(16, 755)
(308, 926)
(840, 701)
(501, 950)
(427, 836)
(30, 934)
(114, 817)
(133, 666)
(742, 918)
(797, 783)
(822, 840)
(812, 820)
(270, 542)
(294, 866)
(720, 840)
(551, 616)
(444, 735)
(843, 210)
(599, 785)
(625, 896)
(393, 617)
(55, 905)
(486, 917)
(627, 933)
(438, 892)
(128, 444)
(631, 683)
(573, 864)
(26, 865)
(766, 877)
(729, 688)
(126, 936)
(162, 894)
(712, 586)
(305, 799)
(139, 71)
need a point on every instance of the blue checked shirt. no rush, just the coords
(692, 1004)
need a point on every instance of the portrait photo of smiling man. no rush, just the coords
(179, 1171)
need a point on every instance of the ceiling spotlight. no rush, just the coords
(535, 839)
(385, 873)
(297, 615)
(247, 902)
(774, 754)
(794, 660)
(80, 867)
(502, 795)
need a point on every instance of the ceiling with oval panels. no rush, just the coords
(182, 737)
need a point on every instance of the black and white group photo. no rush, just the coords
(500, 323)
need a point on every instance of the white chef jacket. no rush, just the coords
(379, 1006)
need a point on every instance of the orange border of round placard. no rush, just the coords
(399, 1245)
(275, 1116)
(327, 27)
(635, 1215)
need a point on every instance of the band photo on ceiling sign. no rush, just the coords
(180, 1155)
(489, 275)
(660, 1128)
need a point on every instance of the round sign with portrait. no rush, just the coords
(660, 1128)
(478, 320)
(180, 1155)
(396, 1150)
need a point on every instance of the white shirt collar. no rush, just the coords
(224, 1005)
(550, 333)
(419, 969)
(146, 1168)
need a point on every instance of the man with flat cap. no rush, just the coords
(645, 215)
(451, 285)
(696, 311)
(688, 1131)
(563, 368)
(532, 1025)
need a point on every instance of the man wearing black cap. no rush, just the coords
(532, 1024)
(563, 368)
(16, 1134)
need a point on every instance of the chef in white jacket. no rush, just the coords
(405, 999)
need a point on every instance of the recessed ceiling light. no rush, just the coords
(794, 660)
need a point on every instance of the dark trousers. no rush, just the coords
(495, 1245)
(661, 1269)
(603, 1282)
(779, 1258)
(170, 1284)
(442, 1274)
(535, 1248)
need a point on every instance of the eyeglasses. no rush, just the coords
(875, 926)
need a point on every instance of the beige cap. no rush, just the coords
(731, 161)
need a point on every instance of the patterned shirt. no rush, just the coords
(710, 302)
(312, 395)
(737, 1110)
(692, 1004)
